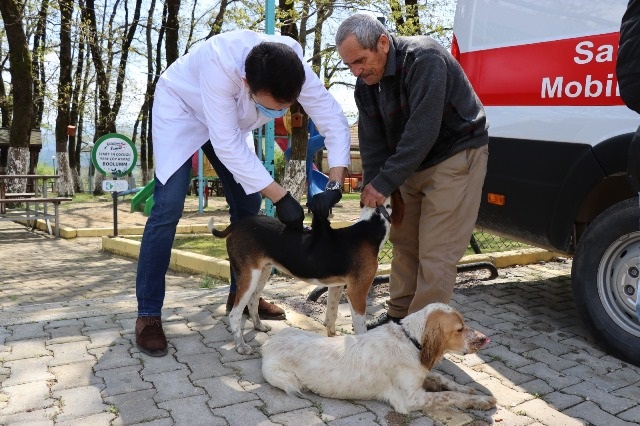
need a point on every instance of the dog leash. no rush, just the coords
(383, 211)
(413, 340)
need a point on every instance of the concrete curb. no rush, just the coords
(68, 232)
(184, 261)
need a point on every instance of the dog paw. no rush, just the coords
(263, 327)
(244, 349)
(483, 402)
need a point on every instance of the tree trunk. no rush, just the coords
(286, 13)
(413, 18)
(22, 79)
(74, 148)
(5, 101)
(397, 14)
(295, 170)
(145, 109)
(64, 184)
(216, 27)
(173, 10)
(37, 65)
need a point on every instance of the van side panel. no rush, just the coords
(583, 174)
(531, 175)
(612, 154)
(545, 72)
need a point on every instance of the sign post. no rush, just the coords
(114, 154)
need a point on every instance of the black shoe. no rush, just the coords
(381, 319)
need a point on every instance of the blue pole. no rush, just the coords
(270, 17)
(270, 20)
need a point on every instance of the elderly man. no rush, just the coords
(422, 130)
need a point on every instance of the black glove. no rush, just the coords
(323, 202)
(290, 212)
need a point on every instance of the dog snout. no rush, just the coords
(476, 341)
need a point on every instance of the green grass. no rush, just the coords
(351, 196)
(205, 245)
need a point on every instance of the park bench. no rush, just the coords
(32, 211)
(30, 206)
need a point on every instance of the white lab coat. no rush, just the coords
(202, 97)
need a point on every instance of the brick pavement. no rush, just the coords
(67, 357)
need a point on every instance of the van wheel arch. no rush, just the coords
(605, 279)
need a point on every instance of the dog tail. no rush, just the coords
(281, 378)
(215, 232)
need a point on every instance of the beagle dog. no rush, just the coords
(324, 256)
(390, 363)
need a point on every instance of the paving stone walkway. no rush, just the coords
(67, 356)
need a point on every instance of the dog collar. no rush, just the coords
(413, 340)
(383, 211)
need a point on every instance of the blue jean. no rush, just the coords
(160, 229)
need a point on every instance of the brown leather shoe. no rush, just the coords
(150, 338)
(266, 310)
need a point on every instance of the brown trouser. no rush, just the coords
(441, 208)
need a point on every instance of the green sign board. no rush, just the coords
(114, 154)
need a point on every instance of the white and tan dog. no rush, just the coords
(335, 258)
(390, 363)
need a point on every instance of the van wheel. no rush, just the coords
(605, 276)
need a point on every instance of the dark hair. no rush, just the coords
(274, 68)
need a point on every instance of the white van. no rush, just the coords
(559, 143)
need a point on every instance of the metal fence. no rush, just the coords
(481, 242)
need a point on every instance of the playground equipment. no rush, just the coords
(143, 200)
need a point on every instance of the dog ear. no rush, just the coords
(397, 207)
(432, 343)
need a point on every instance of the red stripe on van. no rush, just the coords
(571, 72)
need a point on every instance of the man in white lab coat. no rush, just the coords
(213, 97)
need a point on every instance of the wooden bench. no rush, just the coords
(19, 195)
(34, 214)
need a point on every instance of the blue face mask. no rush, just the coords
(270, 113)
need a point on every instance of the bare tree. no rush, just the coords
(5, 101)
(295, 172)
(64, 185)
(173, 10)
(5, 112)
(77, 104)
(37, 65)
(107, 112)
(22, 83)
(145, 111)
(295, 169)
(216, 25)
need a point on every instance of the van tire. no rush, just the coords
(605, 275)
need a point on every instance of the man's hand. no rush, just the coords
(323, 202)
(370, 197)
(290, 212)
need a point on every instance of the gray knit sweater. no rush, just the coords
(422, 112)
